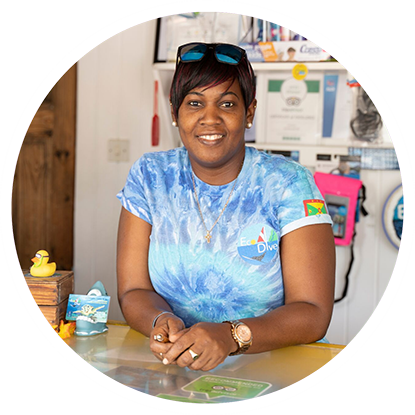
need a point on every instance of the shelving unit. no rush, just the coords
(163, 72)
(269, 66)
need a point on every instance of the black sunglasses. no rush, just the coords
(224, 52)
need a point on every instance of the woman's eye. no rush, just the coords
(227, 104)
(194, 103)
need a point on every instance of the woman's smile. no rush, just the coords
(210, 139)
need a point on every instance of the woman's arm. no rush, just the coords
(139, 302)
(308, 268)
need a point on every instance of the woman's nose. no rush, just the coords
(210, 115)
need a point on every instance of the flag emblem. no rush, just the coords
(314, 207)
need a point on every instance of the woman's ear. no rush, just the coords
(173, 118)
(250, 113)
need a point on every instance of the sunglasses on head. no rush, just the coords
(224, 52)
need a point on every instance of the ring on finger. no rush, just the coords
(159, 338)
(193, 354)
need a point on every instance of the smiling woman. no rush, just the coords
(214, 253)
(214, 98)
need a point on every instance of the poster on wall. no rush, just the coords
(337, 106)
(293, 109)
(210, 27)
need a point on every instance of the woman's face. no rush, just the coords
(212, 123)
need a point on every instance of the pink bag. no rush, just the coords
(341, 195)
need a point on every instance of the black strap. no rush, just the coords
(346, 284)
(362, 198)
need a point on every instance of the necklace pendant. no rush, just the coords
(208, 237)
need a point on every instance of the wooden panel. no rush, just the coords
(63, 96)
(43, 122)
(31, 199)
(51, 290)
(43, 190)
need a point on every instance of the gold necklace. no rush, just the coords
(208, 236)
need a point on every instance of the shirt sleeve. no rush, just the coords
(301, 203)
(133, 195)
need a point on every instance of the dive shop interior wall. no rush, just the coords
(115, 102)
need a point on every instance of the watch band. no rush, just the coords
(242, 346)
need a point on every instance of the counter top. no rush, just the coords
(124, 355)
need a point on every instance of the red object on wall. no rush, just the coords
(155, 127)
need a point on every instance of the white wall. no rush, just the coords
(374, 261)
(115, 100)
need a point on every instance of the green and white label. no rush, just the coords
(216, 386)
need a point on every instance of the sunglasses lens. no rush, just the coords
(228, 54)
(193, 52)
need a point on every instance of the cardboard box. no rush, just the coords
(289, 51)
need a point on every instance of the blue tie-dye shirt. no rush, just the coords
(238, 274)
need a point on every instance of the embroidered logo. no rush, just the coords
(314, 207)
(258, 244)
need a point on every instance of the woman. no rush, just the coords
(222, 249)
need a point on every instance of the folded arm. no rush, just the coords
(308, 269)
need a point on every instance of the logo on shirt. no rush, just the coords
(314, 207)
(258, 244)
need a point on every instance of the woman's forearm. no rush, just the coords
(140, 307)
(295, 323)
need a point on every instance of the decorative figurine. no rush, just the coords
(41, 268)
(86, 322)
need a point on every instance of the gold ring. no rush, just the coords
(193, 354)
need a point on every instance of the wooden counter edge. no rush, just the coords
(324, 345)
(117, 323)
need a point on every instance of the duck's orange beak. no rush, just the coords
(35, 260)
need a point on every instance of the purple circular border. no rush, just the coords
(386, 347)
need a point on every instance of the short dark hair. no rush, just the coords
(208, 72)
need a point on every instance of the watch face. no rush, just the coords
(243, 332)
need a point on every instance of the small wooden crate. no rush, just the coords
(51, 293)
(54, 314)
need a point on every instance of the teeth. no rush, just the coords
(211, 137)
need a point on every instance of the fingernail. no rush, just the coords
(165, 361)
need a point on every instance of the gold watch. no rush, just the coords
(242, 335)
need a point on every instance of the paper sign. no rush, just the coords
(216, 386)
(91, 306)
(293, 110)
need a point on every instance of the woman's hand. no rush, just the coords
(212, 342)
(167, 325)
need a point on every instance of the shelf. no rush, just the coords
(163, 72)
(270, 66)
(324, 144)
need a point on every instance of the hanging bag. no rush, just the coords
(342, 196)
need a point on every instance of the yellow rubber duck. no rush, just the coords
(41, 268)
